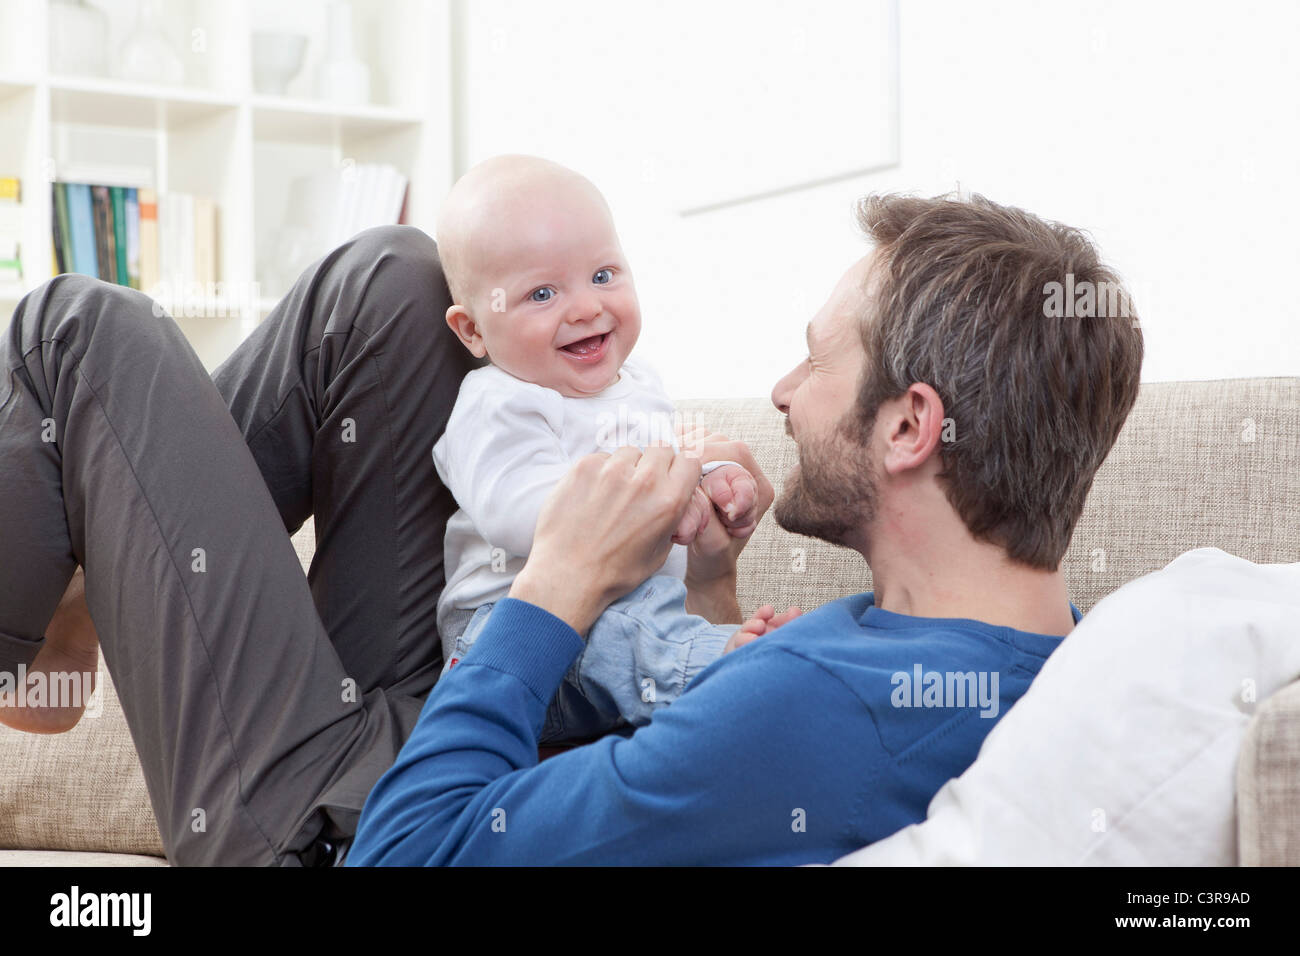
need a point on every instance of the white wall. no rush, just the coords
(1169, 131)
(672, 107)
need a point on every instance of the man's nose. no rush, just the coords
(783, 389)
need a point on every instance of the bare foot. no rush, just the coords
(764, 621)
(70, 652)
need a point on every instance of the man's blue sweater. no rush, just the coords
(831, 733)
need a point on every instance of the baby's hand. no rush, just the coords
(734, 493)
(764, 621)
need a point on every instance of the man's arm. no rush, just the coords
(764, 759)
(723, 775)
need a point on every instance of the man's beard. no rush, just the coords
(832, 495)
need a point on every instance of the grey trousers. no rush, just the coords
(264, 704)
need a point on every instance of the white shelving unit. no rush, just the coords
(214, 135)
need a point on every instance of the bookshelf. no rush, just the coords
(216, 135)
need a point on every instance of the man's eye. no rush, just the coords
(544, 294)
(603, 276)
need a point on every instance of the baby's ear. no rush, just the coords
(466, 329)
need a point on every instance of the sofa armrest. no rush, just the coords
(1268, 783)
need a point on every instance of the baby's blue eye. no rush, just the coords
(607, 275)
(544, 294)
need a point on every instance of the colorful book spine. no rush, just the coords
(135, 236)
(121, 274)
(11, 230)
(131, 203)
(81, 218)
(58, 238)
(105, 258)
(62, 229)
(150, 269)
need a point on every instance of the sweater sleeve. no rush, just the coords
(763, 759)
(500, 456)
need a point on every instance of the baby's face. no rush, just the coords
(552, 295)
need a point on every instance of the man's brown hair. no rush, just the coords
(978, 301)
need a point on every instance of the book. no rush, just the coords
(62, 230)
(150, 271)
(102, 209)
(183, 235)
(81, 218)
(205, 240)
(333, 205)
(131, 203)
(176, 240)
(11, 229)
(118, 197)
(57, 229)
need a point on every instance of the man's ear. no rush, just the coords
(466, 329)
(916, 428)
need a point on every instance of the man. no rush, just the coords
(263, 721)
(948, 429)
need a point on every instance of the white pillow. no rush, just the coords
(1124, 749)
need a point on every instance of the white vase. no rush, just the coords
(343, 77)
(277, 58)
(147, 55)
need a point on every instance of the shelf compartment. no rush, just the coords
(135, 105)
(317, 122)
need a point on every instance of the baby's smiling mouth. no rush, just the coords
(586, 347)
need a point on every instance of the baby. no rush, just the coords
(541, 287)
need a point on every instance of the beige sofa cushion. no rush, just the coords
(1268, 784)
(80, 790)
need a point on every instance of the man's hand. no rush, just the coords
(764, 621)
(606, 527)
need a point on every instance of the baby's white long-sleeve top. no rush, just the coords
(507, 443)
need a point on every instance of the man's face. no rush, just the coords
(831, 494)
(553, 299)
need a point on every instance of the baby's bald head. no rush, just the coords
(539, 281)
(491, 203)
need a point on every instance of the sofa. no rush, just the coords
(1198, 464)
